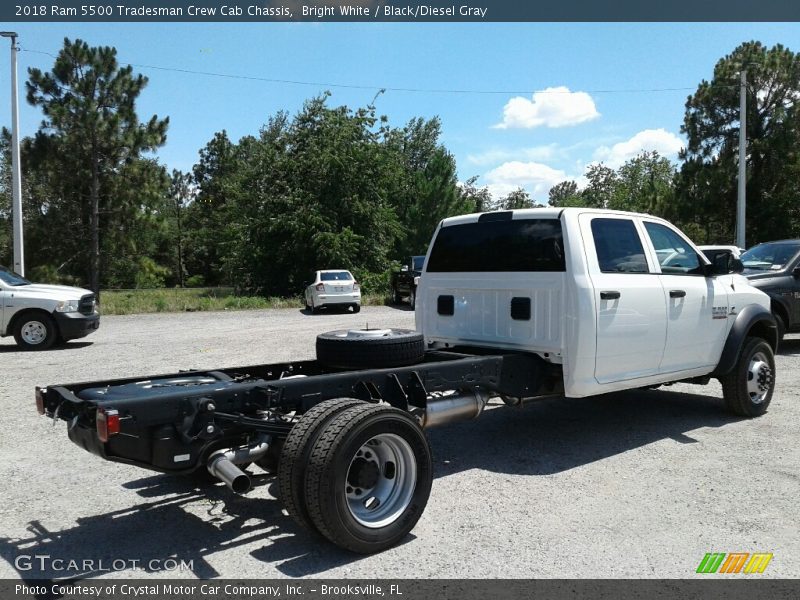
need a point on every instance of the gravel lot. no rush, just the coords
(637, 484)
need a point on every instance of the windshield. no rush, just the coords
(417, 262)
(769, 257)
(335, 276)
(11, 278)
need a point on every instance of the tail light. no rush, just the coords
(356, 287)
(320, 287)
(40, 400)
(107, 423)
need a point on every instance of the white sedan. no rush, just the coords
(334, 287)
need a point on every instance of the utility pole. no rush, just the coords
(16, 178)
(741, 199)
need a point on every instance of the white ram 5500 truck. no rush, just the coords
(520, 305)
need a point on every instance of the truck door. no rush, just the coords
(793, 294)
(697, 306)
(629, 300)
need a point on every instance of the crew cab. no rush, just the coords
(404, 281)
(517, 305)
(40, 315)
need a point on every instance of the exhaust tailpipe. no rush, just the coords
(457, 407)
(222, 463)
(237, 480)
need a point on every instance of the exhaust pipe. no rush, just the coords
(222, 463)
(457, 407)
(223, 469)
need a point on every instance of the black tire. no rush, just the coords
(403, 478)
(781, 325)
(412, 299)
(748, 388)
(294, 457)
(35, 325)
(396, 297)
(398, 348)
(356, 308)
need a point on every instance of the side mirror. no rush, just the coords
(404, 268)
(724, 263)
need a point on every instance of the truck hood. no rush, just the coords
(61, 292)
(756, 274)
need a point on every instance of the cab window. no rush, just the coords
(674, 253)
(618, 247)
(499, 246)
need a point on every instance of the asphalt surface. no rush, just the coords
(635, 484)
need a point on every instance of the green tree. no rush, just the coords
(707, 185)
(475, 199)
(181, 194)
(519, 198)
(645, 184)
(423, 186)
(209, 217)
(602, 186)
(92, 135)
(436, 196)
(565, 194)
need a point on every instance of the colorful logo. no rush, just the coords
(734, 562)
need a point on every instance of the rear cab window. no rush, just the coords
(618, 246)
(499, 245)
(336, 276)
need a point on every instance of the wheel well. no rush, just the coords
(764, 331)
(25, 312)
(778, 309)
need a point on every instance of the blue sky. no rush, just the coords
(509, 139)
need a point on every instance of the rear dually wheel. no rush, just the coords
(369, 478)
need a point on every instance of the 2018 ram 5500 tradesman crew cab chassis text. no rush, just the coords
(519, 305)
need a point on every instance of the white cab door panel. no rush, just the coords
(697, 306)
(629, 299)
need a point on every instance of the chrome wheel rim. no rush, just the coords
(381, 480)
(33, 332)
(759, 378)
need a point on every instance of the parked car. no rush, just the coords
(774, 268)
(404, 281)
(712, 251)
(39, 315)
(333, 287)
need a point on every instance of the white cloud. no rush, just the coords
(534, 177)
(553, 107)
(658, 140)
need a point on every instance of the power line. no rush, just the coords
(389, 88)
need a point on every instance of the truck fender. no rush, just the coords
(751, 319)
(782, 306)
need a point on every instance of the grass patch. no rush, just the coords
(129, 302)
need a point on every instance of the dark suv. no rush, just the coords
(774, 268)
(402, 282)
